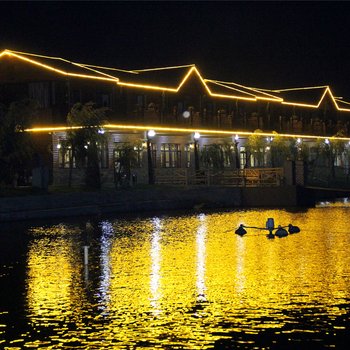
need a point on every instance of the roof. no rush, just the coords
(173, 78)
(56, 64)
(240, 90)
(306, 96)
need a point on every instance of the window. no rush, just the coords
(126, 151)
(103, 155)
(138, 155)
(188, 156)
(242, 157)
(228, 154)
(153, 147)
(257, 158)
(64, 157)
(170, 155)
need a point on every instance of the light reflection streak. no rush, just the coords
(240, 275)
(106, 243)
(155, 265)
(201, 239)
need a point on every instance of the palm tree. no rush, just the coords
(85, 138)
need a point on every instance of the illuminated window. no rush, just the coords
(170, 155)
(242, 157)
(126, 152)
(64, 157)
(138, 155)
(257, 158)
(188, 156)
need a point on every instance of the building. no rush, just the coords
(187, 111)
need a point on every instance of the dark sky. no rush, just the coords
(264, 44)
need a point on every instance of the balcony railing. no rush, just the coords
(252, 177)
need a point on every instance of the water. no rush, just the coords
(178, 282)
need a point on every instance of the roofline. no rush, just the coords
(50, 68)
(192, 69)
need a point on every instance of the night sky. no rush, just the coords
(264, 44)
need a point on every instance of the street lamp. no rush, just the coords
(236, 138)
(196, 137)
(150, 135)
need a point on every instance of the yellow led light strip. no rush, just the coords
(230, 87)
(302, 88)
(82, 65)
(111, 78)
(10, 53)
(186, 130)
(109, 68)
(326, 89)
(341, 101)
(162, 88)
(96, 71)
(192, 70)
(162, 68)
(270, 97)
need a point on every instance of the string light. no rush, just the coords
(253, 93)
(188, 131)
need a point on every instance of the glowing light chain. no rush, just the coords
(253, 98)
(110, 78)
(159, 129)
(225, 83)
(162, 68)
(36, 63)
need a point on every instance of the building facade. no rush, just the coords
(191, 116)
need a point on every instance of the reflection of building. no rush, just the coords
(178, 99)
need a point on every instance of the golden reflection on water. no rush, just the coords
(189, 280)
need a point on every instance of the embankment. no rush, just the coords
(142, 200)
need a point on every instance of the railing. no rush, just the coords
(174, 177)
(328, 177)
(252, 177)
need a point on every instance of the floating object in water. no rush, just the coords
(240, 231)
(270, 226)
(281, 232)
(293, 229)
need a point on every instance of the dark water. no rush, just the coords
(177, 282)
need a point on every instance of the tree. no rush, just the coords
(332, 150)
(16, 147)
(85, 139)
(279, 150)
(126, 160)
(212, 156)
(298, 150)
(255, 146)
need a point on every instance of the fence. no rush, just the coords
(252, 177)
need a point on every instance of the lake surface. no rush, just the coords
(177, 281)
